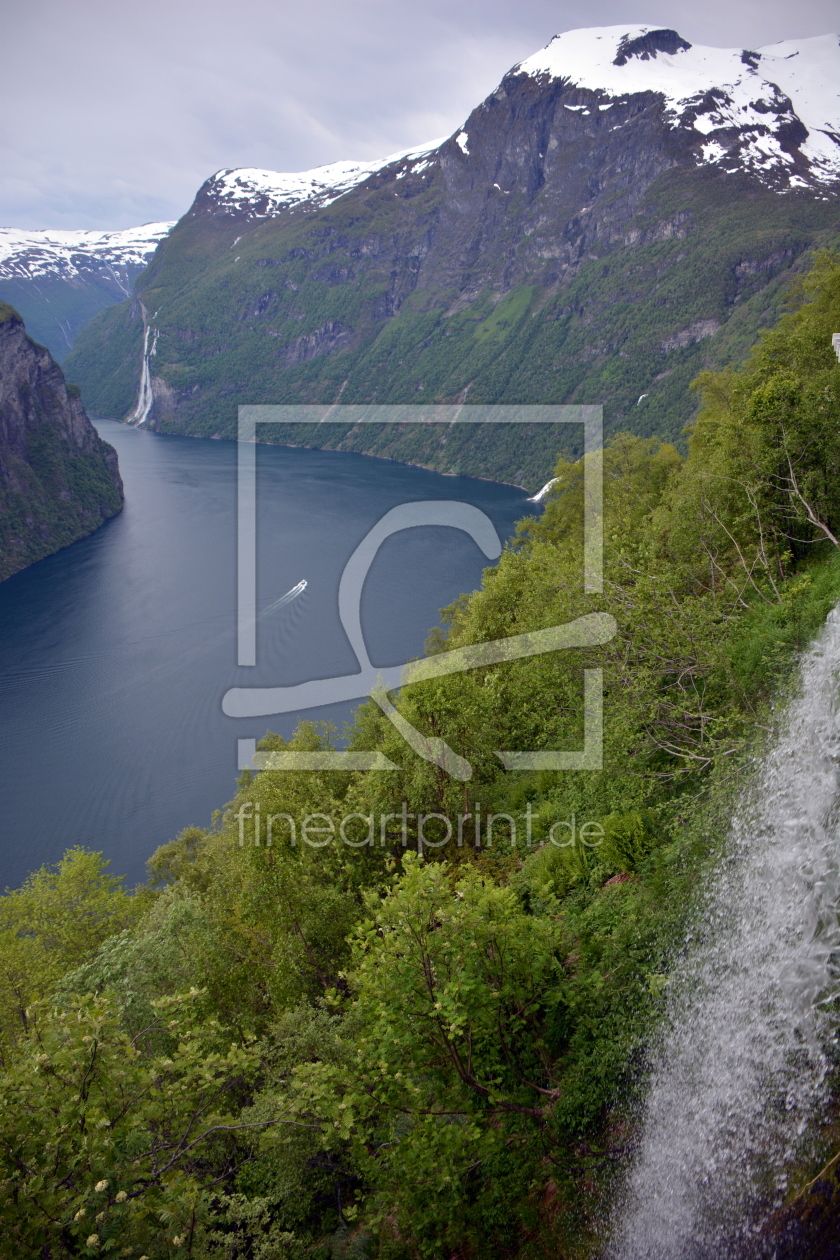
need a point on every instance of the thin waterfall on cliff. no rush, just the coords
(742, 1064)
(145, 397)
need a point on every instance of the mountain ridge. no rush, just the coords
(787, 120)
(564, 245)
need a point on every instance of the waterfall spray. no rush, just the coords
(741, 1066)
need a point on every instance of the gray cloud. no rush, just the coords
(116, 111)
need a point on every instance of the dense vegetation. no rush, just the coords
(358, 1040)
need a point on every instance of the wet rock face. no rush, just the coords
(58, 480)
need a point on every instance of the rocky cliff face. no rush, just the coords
(58, 480)
(623, 210)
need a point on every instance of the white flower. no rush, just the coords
(100, 1186)
(122, 1196)
(93, 1240)
(82, 1212)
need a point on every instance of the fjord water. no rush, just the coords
(115, 653)
(741, 1067)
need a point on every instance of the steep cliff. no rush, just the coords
(58, 480)
(623, 210)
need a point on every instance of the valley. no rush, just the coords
(584, 238)
(423, 837)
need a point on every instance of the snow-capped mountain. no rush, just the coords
(590, 234)
(247, 192)
(774, 112)
(68, 254)
(59, 279)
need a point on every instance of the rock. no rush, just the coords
(58, 480)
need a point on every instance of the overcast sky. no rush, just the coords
(117, 110)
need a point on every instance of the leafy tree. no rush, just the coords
(54, 922)
(761, 483)
(102, 1145)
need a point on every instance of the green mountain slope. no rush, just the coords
(54, 310)
(567, 256)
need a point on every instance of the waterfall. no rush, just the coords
(145, 397)
(542, 494)
(741, 1064)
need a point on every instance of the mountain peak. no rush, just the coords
(774, 113)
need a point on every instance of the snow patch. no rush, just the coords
(713, 151)
(462, 142)
(263, 194)
(65, 254)
(763, 96)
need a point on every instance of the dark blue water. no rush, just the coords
(116, 652)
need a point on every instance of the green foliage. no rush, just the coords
(114, 338)
(54, 496)
(101, 1145)
(773, 428)
(438, 1053)
(456, 1069)
(59, 918)
(628, 839)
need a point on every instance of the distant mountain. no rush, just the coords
(59, 280)
(622, 210)
(58, 480)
